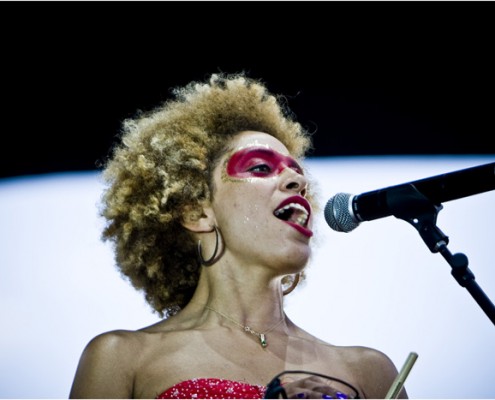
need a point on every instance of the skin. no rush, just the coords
(245, 285)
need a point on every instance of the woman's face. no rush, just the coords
(259, 203)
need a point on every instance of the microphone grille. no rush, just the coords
(338, 213)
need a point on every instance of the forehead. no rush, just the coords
(257, 139)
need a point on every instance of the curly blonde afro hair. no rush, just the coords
(161, 169)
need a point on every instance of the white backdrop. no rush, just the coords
(378, 285)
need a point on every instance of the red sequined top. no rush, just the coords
(213, 388)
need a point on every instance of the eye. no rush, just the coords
(296, 167)
(260, 169)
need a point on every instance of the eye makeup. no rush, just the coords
(258, 162)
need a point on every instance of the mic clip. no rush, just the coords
(409, 204)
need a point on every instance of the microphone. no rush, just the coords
(344, 212)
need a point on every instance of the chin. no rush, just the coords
(296, 262)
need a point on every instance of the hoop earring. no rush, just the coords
(214, 257)
(293, 285)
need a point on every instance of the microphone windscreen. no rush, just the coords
(338, 213)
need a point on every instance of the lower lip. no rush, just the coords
(305, 231)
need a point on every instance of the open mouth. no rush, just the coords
(293, 212)
(296, 212)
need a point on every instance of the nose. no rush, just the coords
(293, 181)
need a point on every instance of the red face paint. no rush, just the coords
(256, 162)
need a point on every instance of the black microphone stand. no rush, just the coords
(410, 205)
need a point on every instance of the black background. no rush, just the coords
(370, 78)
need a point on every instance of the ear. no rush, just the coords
(199, 222)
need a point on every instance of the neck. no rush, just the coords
(247, 300)
(261, 335)
(255, 307)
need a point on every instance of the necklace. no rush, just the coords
(259, 335)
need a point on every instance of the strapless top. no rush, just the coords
(213, 388)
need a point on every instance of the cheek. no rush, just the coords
(244, 206)
(251, 215)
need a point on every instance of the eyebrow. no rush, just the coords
(266, 150)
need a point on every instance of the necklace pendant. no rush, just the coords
(263, 340)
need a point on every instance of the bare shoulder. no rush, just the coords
(376, 371)
(370, 368)
(113, 338)
(368, 356)
(106, 366)
(116, 345)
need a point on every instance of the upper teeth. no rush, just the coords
(301, 218)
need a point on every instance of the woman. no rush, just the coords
(210, 213)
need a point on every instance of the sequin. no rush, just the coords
(213, 388)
